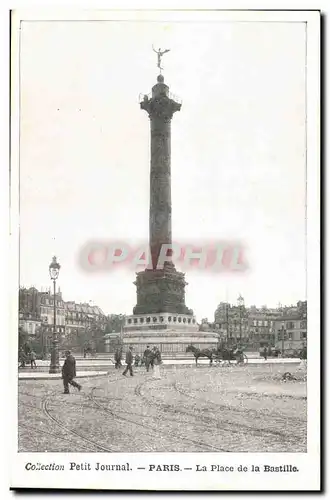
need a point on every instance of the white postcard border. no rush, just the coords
(308, 464)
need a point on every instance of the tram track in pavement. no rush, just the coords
(98, 406)
(57, 436)
(213, 423)
(94, 405)
(207, 423)
(57, 421)
(148, 427)
(63, 426)
(256, 413)
(269, 417)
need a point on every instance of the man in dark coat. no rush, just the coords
(148, 357)
(118, 356)
(69, 372)
(129, 362)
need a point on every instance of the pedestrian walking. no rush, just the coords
(157, 361)
(137, 360)
(148, 358)
(129, 362)
(118, 356)
(21, 358)
(33, 358)
(264, 353)
(69, 372)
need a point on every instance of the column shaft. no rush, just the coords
(160, 213)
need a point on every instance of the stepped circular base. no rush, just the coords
(172, 342)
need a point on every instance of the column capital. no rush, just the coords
(161, 107)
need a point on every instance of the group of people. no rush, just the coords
(68, 368)
(27, 358)
(151, 359)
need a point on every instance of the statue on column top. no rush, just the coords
(160, 54)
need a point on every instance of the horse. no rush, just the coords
(200, 353)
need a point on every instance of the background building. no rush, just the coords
(77, 324)
(82, 316)
(29, 310)
(260, 327)
(46, 304)
(291, 328)
(29, 325)
(232, 322)
(85, 326)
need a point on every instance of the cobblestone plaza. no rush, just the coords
(205, 409)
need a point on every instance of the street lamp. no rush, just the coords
(235, 329)
(282, 337)
(54, 270)
(240, 302)
(227, 322)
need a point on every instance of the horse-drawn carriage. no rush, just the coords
(219, 355)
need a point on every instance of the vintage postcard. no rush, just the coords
(165, 320)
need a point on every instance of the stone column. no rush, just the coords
(160, 108)
(160, 290)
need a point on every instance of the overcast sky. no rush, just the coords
(238, 152)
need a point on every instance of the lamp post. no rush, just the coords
(282, 337)
(227, 321)
(235, 329)
(54, 269)
(240, 302)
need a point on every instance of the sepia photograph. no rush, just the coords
(164, 196)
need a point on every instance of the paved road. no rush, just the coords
(102, 364)
(190, 409)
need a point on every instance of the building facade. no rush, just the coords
(29, 324)
(84, 325)
(83, 316)
(46, 300)
(261, 330)
(291, 333)
(29, 310)
(291, 328)
(262, 326)
(36, 310)
(232, 323)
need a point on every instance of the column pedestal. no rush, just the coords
(161, 291)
